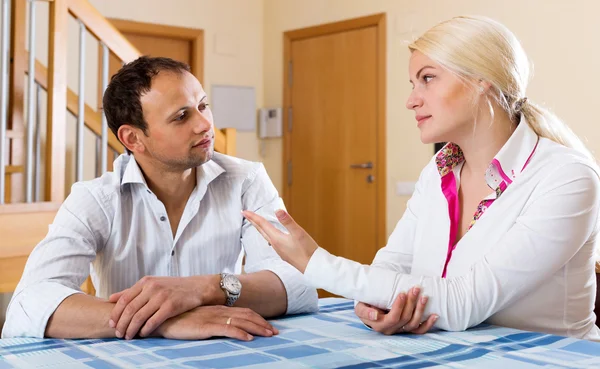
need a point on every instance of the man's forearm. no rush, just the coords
(262, 292)
(81, 316)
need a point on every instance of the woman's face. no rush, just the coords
(443, 102)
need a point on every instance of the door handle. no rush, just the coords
(367, 165)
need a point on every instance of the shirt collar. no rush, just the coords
(132, 172)
(512, 158)
(449, 157)
(205, 173)
(508, 163)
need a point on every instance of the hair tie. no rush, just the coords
(519, 104)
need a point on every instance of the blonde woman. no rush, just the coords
(503, 223)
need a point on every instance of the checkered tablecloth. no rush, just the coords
(332, 338)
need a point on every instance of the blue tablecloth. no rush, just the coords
(333, 338)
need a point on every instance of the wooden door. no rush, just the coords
(334, 164)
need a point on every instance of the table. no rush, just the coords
(332, 338)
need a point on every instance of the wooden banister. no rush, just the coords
(10, 169)
(17, 89)
(57, 100)
(103, 30)
(93, 119)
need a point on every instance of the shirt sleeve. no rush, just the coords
(397, 255)
(58, 265)
(261, 197)
(559, 219)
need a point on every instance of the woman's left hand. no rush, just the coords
(406, 315)
(296, 248)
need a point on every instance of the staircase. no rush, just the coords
(32, 188)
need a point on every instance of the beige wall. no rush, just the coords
(560, 36)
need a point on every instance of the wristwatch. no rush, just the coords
(231, 285)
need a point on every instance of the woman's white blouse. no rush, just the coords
(527, 262)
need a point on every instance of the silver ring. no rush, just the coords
(228, 321)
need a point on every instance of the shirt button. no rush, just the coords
(172, 252)
(163, 218)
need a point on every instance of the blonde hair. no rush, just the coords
(479, 48)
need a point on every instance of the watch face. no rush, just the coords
(232, 284)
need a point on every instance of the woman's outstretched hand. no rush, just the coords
(296, 248)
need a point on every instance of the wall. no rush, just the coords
(559, 36)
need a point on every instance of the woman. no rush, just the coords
(502, 224)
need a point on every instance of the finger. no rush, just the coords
(417, 316)
(362, 311)
(254, 317)
(374, 325)
(209, 330)
(427, 325)
(116, 296)
(140, 318)
(130, 310)
(228, 330)
(288, 222)
(262, 233)
(368, 312)
(267, 228)
(411, 302)
(156, 320)
(126, 297)
(251, 327)
(393, 317)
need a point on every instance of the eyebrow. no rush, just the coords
(184, 108)
(420, 71)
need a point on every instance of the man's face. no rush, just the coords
(180, 124)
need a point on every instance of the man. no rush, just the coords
(172, 208)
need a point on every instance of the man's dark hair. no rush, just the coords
(121, 102)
